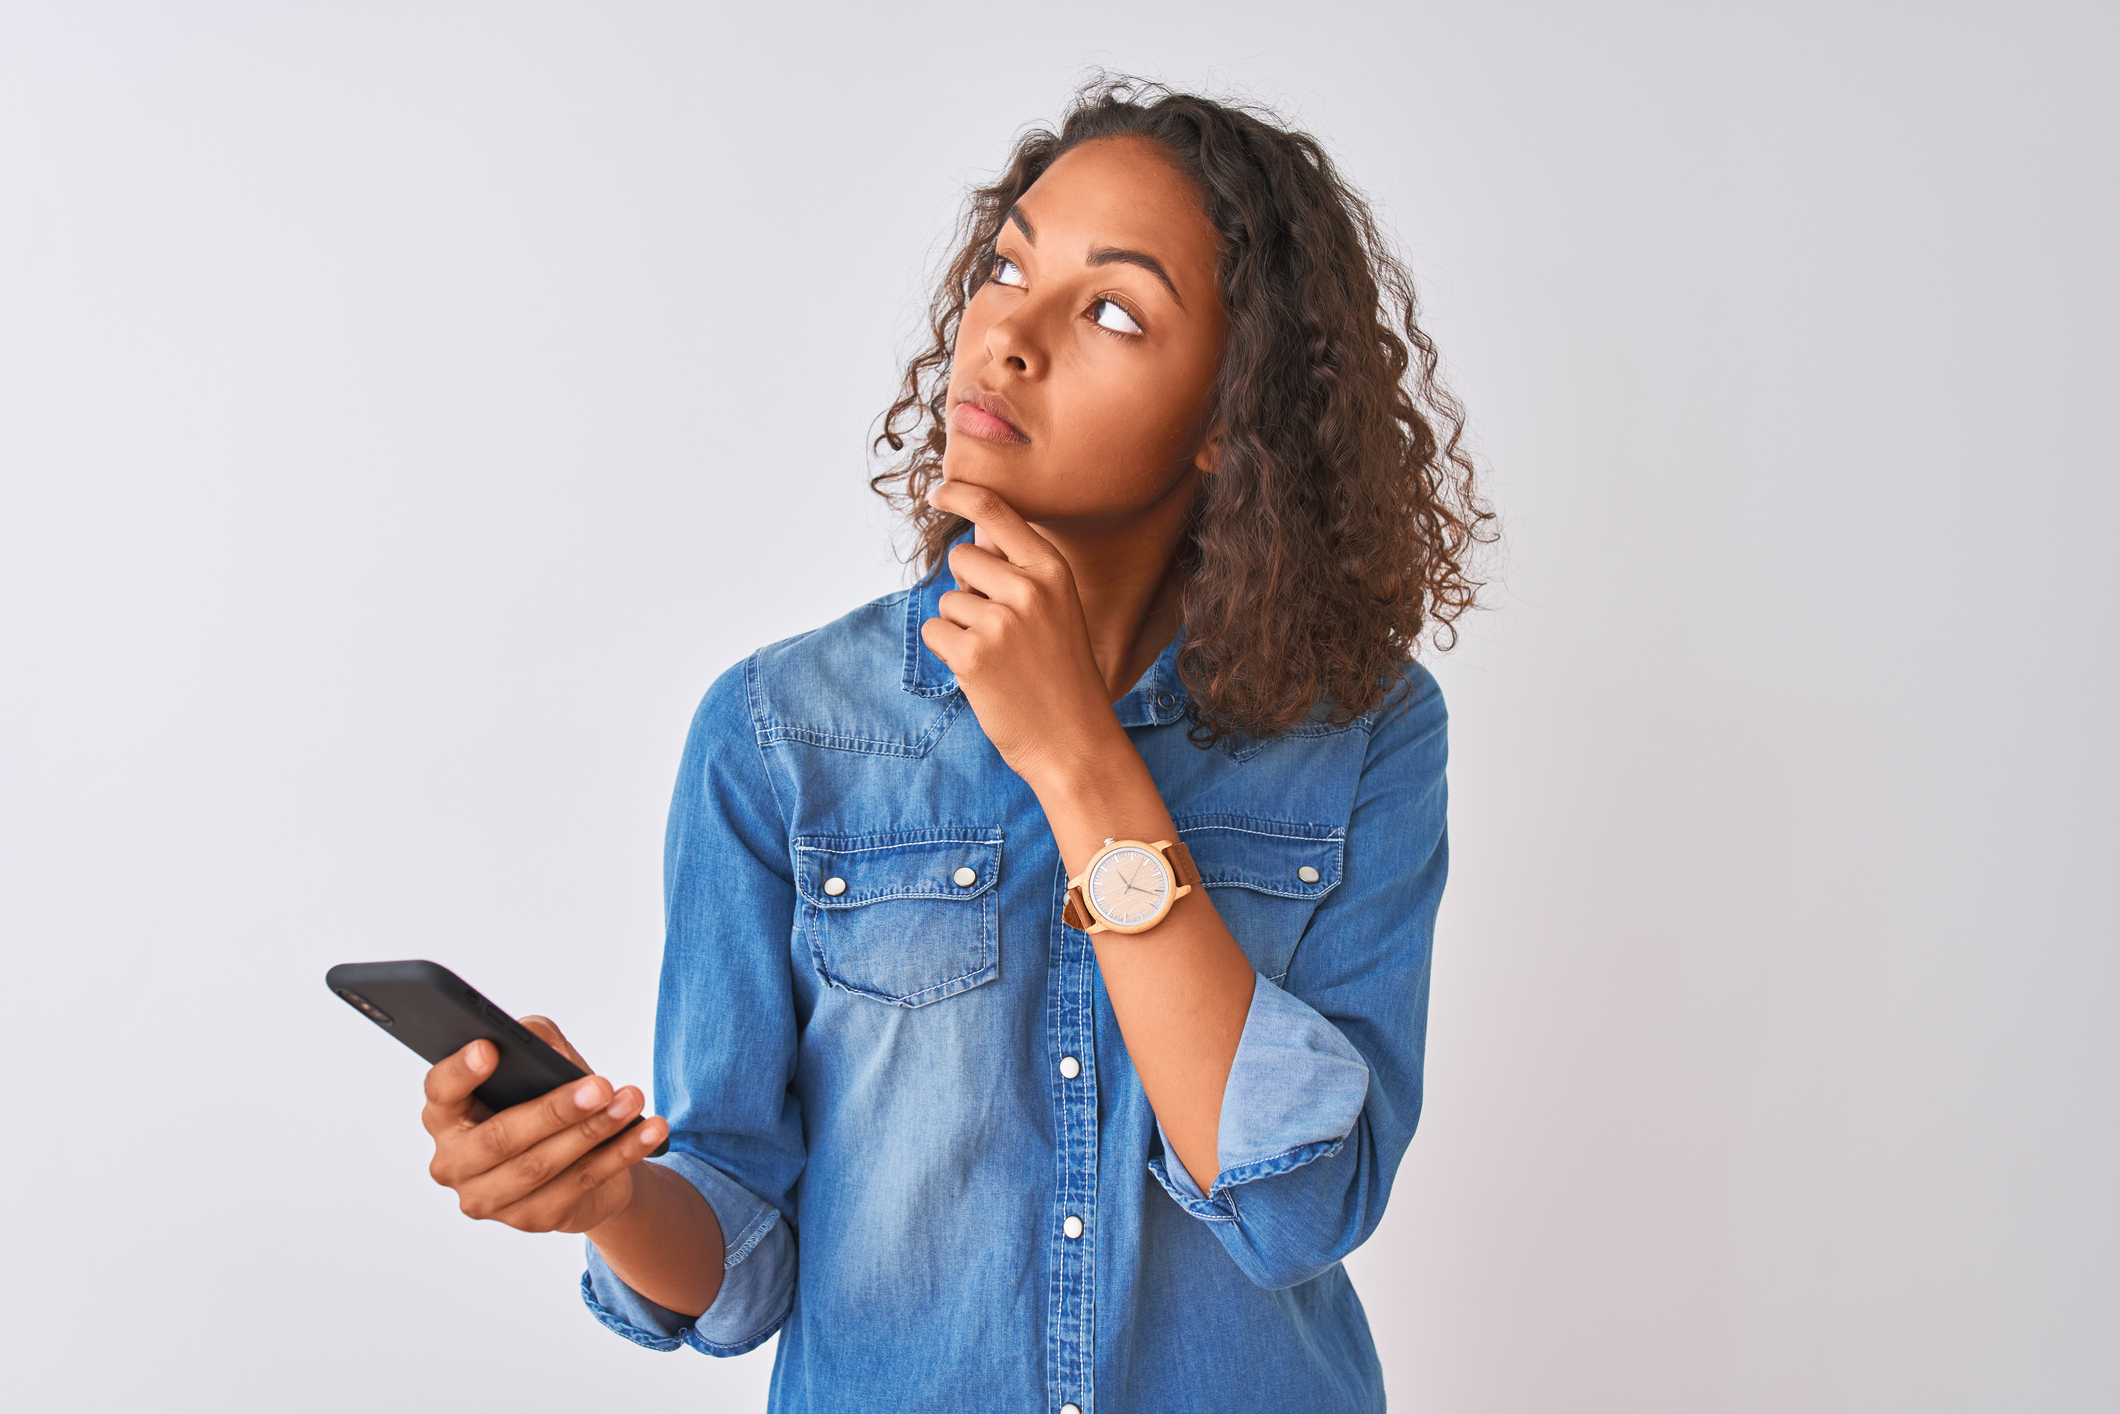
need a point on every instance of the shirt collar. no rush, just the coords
(1158, 699)
(925, 674)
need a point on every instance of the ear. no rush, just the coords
(1208, 458)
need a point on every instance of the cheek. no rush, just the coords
(1136, 424)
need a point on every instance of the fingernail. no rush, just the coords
(930, 497)
(586, 1095)
(618, 1107)
(475, 1055)
(651, 1134)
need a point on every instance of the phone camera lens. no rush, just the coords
(373, 1011)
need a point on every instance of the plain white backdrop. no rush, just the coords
(407, 409)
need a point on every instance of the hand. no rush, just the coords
(1014, 635)
(550, 1165)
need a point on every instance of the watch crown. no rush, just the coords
(1111, 841)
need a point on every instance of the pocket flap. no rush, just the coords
(1268, 856)
(834, 872)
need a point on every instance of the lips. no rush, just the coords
(988, 417)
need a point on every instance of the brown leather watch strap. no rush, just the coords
(1181, 863)
(1072, 914)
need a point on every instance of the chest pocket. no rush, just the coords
(906, 918)
(1266, 877)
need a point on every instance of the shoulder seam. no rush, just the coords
(753, 707)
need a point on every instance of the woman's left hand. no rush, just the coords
(1014, 634)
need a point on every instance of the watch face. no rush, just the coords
(1129, 885)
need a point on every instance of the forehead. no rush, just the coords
(1123, 192)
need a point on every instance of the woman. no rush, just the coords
(1047, 958)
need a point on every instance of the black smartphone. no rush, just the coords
(438, 1013)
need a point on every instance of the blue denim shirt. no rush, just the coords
(897, 1091)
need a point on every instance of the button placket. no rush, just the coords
(1071, 1347)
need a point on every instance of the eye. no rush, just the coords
(1108, 315)
(1005, 272)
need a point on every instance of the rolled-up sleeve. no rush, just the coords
(724, 1036)
(758, 1271)
(1325, 1090)
(1295, 1092)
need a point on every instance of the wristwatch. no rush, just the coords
(1129, 886)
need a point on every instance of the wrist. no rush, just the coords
(1100, 795)
(1096, 770)
(629, 1214)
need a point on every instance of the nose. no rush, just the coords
(1013, 340)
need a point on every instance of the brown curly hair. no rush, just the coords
(1336, 528)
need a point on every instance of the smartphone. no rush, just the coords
(438, 1013)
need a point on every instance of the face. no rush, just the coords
(1083, 367)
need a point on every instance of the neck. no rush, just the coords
(1132, 602)
(1127, 575)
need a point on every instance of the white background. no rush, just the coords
(407, 410)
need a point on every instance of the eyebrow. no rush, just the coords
(1105, 255)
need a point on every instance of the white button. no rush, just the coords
(835, 887)
(1069, 1409)
(966, 877)
(1307, 874)
(1070, 1067)
(1072, 1227)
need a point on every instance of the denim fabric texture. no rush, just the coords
(861, 1058)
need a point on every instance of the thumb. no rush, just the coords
(545, 1031)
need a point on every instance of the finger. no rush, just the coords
(543, 1028)
(461, 1157)
(1011, 533)
(550, 1205)
(485, 1194)
(947, 641)
(489, 1194)
(450, 1103)
(984, 572)
(970, 611)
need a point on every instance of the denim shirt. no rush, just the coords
(902, 1090)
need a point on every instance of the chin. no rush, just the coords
(977, 463)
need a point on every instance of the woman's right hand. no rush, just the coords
(550, 1165)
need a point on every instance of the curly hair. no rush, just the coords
(1336, 528)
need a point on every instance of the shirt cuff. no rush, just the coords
(1295, 1090)
(757, 1278)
